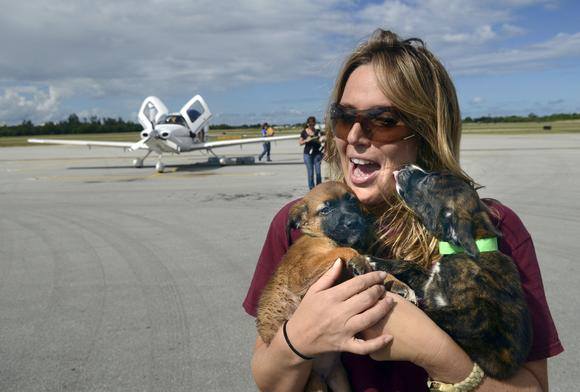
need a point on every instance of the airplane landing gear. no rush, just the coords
(159, 167)
(138, 162)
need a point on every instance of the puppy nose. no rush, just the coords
(350, 222)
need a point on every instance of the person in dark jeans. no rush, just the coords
(310, 139)
(266, 145)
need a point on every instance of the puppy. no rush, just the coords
(475, 296)
(333, 225)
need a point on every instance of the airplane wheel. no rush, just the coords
(138, 163)
(159, 166)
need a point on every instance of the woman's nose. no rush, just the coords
(357, 136)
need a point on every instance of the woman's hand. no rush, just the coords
(329, 317)
(416, 338)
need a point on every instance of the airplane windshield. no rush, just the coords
(174, 119)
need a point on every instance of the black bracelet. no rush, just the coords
(291, 346)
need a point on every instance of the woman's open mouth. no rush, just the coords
(362, 171)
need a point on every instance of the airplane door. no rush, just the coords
(152, 109)
(196, 114)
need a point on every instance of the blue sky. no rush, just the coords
(258, 61)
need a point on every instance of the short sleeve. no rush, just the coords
(517, 243)
(274, 248)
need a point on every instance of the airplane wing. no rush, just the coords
(235, 142)
(92, 143)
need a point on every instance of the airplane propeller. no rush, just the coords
(151, 113)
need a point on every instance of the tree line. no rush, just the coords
(72, 125)
(529, 118)
(75, 125)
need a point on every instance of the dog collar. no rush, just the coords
(483, 245)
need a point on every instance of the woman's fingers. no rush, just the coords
(365, 347)
(328, 278)
(371, 316)
(365, 299)
(358, 284)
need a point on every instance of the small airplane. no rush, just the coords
(165, 132)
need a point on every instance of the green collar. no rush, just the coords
(483, 244)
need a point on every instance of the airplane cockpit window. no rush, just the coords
(174, 119)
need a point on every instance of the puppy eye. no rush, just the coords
(447, 213)
(324, 211)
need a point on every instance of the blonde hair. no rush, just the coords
(418, 85)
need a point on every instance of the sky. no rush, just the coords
(275, 61)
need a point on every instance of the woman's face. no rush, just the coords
(368, 166)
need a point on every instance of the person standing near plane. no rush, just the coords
(267, 131)
(310, 139)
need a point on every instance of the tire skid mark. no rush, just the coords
(91, 316)
(94, 316)
(217, 263)
(177, 234)
(216, 252)
(36, 344)
(7, 249)
(44, 343)
(169, 333)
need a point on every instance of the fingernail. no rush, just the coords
(388, 338)
(382, 274)
(337, 262)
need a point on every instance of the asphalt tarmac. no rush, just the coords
(114, 278)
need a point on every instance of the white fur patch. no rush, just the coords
(440, 300)
(434, 271)
(418, 168)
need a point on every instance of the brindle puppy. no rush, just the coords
(332, 224)
(476, 297)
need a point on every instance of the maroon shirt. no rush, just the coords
(368, 375)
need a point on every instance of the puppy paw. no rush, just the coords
(398, 287)
(359, 265)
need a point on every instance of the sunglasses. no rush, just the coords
(380, 125)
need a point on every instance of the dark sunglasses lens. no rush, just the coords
(379, 125)
(341, 121)
(387, 129)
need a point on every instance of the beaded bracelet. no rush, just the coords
(469, 384)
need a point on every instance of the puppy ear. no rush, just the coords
(297, 214)
(484, 225)
(463, 236)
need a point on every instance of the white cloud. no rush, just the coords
(131, 48)
(511, 30)
(29, 103)
(561, 46)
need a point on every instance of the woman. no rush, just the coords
(310, 139)
(393, 103)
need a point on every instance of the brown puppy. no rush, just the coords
(332, 224)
